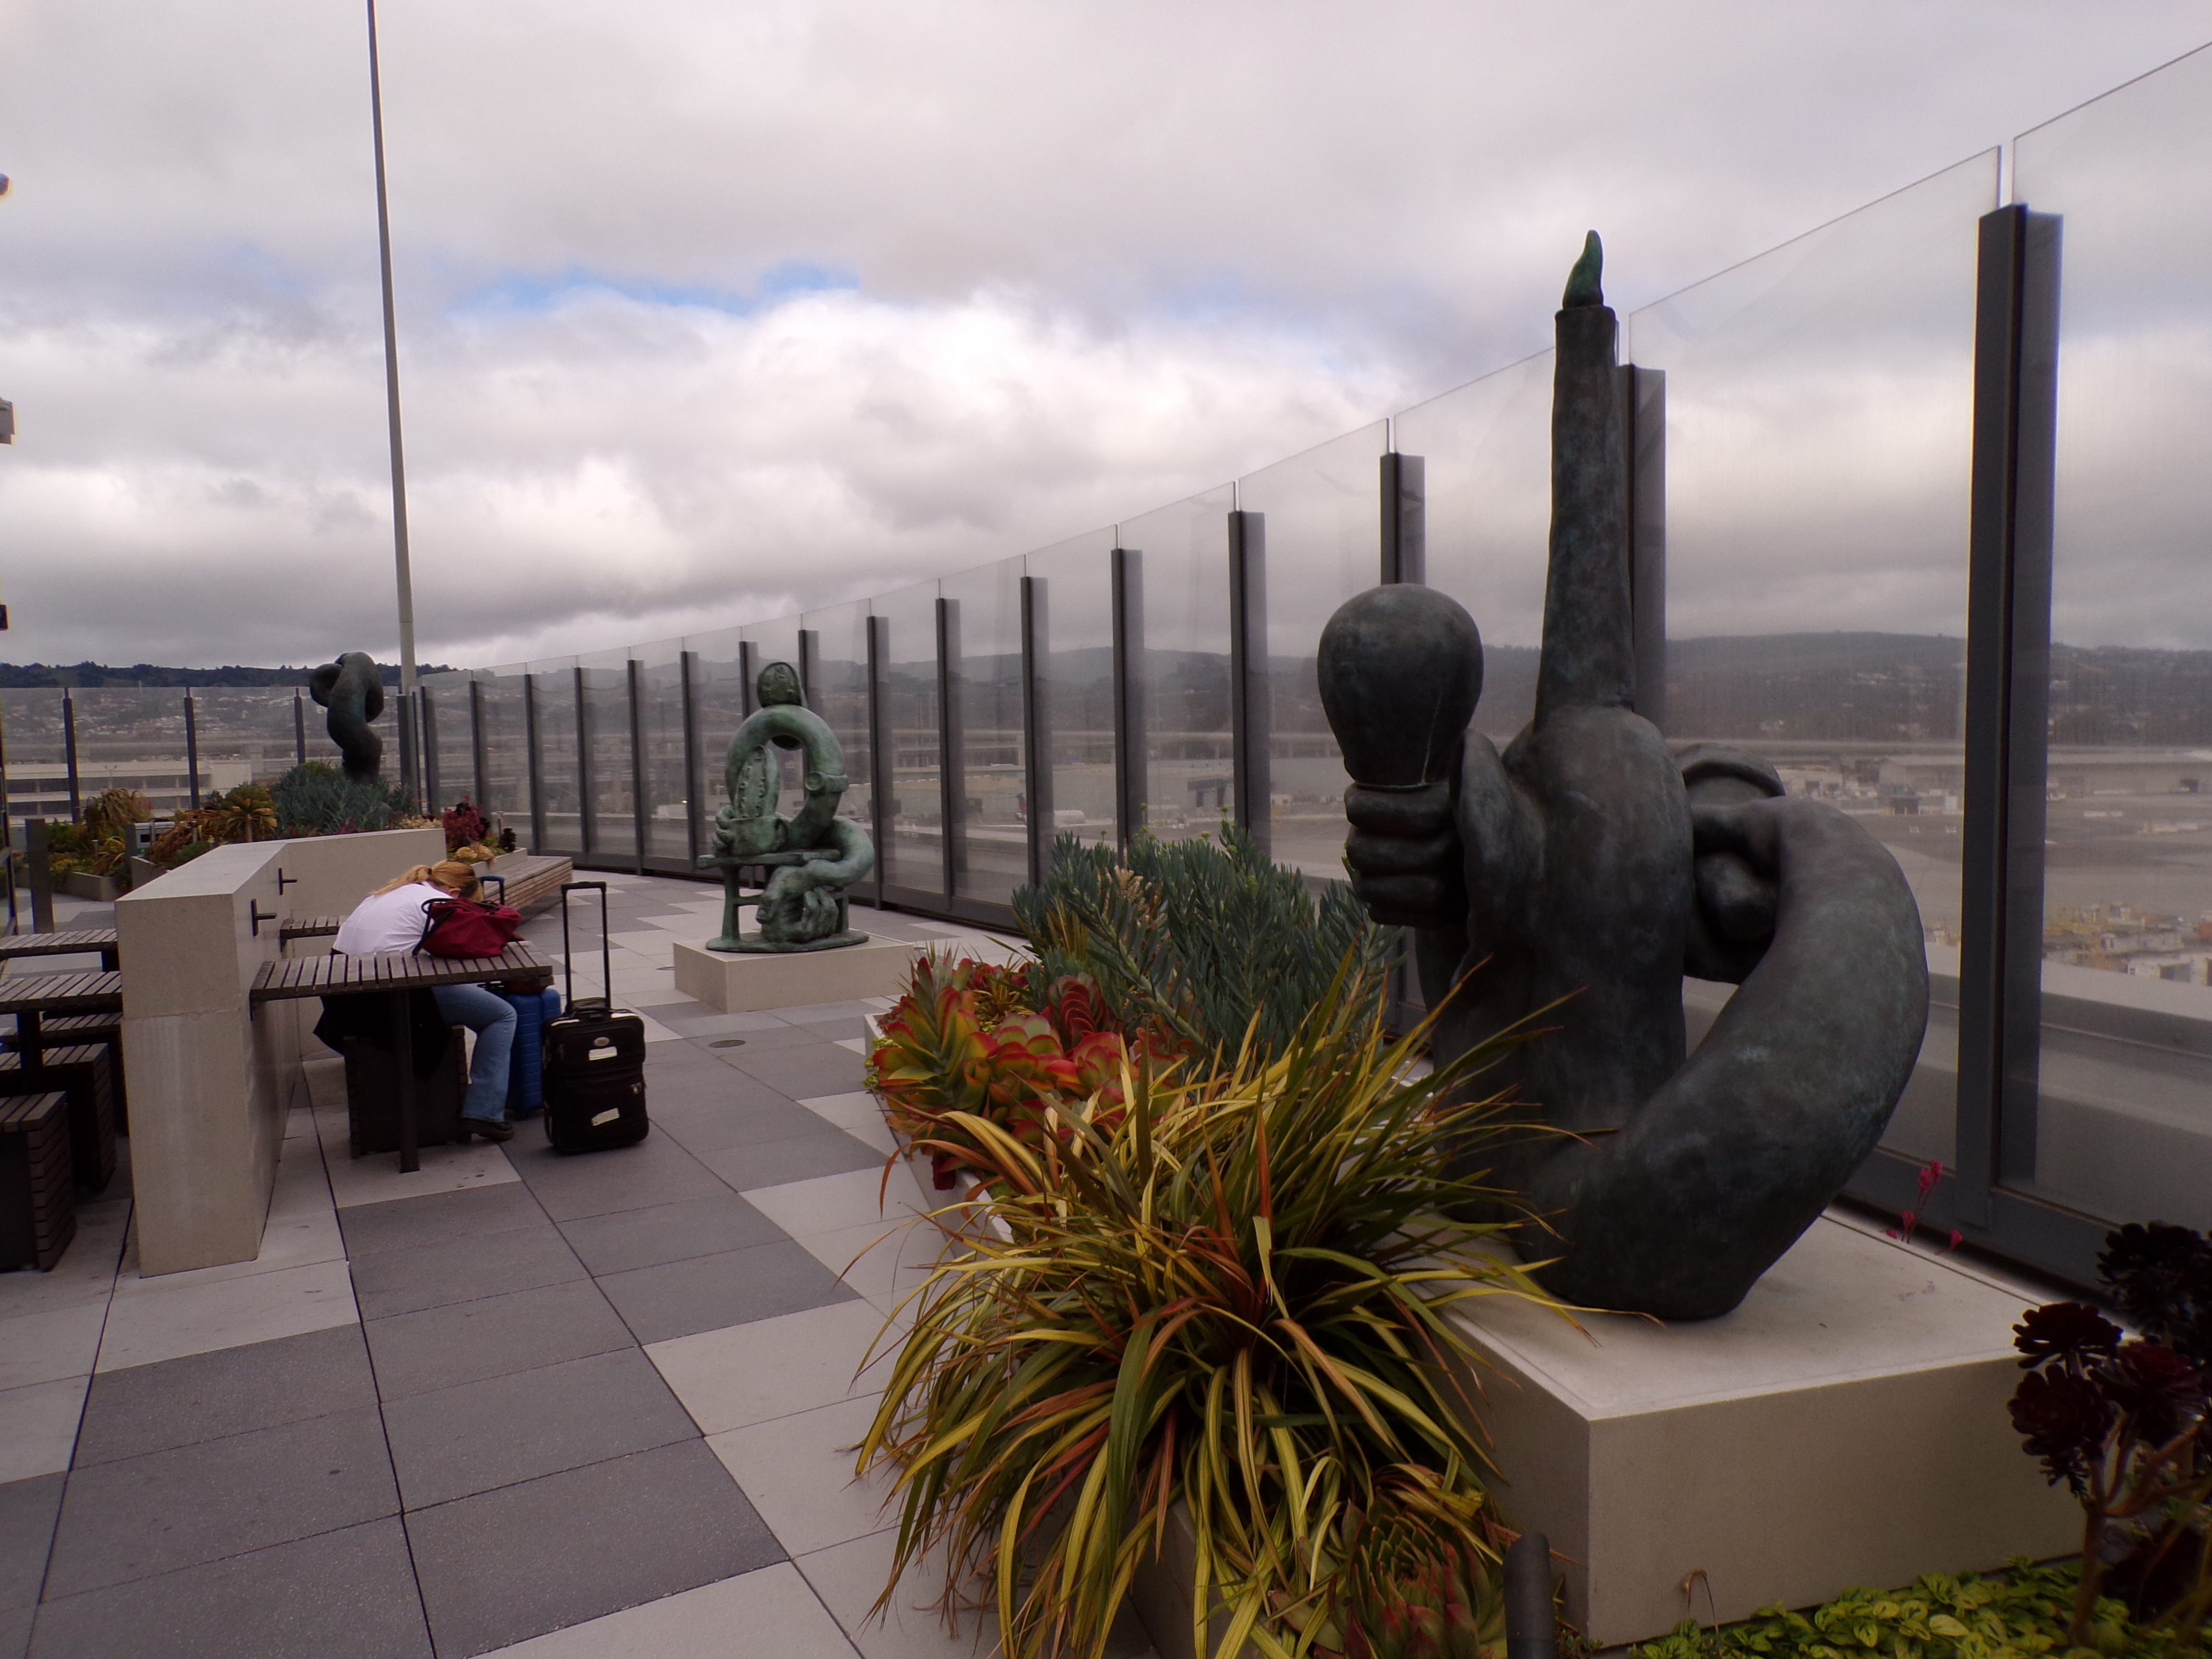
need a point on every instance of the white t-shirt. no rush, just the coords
(386, 922)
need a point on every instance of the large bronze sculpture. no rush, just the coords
(812, 856)
(1573, 880)
(353, 691)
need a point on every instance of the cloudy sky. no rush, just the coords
(711, 308)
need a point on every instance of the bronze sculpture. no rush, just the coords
(1573, 880)
(353, 691)
(814, 855)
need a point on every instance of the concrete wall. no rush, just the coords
(211, 1082)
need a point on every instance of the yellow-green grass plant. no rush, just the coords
(1233, 1298)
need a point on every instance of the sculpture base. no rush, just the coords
(754, 944)
(1845, 1426)
(743, 982)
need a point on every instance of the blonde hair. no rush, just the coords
(450, 875)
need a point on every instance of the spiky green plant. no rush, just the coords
(1199, 938)
(1234, 1300)
(318, 799)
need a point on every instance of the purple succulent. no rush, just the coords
(2159, 1390)
(2064, 1419)
(2064, 1330)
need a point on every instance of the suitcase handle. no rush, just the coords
(606, 946)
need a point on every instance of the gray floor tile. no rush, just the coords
(344, 1595)
(713, 1084)
(168, 1510)
(438, 1275)
(492, 1336)
(767, 1040)
(669, 1232)
(28, 1512)
(656, 1170)
(471, 1439)
(713, 1129)
(15, 1631)
(204, 1396)
(508, 1565)
(707, 1292)
(404, 1223)
(801, 1157)
(804, 1071)
(716, 1024)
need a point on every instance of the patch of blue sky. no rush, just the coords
(530, 292)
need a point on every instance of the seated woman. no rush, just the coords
(390, 920)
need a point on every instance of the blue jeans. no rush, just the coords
(491, 1016)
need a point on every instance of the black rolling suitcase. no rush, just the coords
(594, 1057)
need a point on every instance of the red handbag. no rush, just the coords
(468, 927)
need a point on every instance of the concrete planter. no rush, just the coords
(101, 889)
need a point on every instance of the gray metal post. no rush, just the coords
(39, 873)
(1036, 727)
(695, 793)
(640, 813)
(1128, 578)
(299, 728)
(478, 770)
(951, 759)
(810, 648)
(532, 762)
(1405, 519)
(69, 757)
(749, 669)
(587, 814)
(1250, 696)
(880, 756)
(401, 569)
(192, 751)
(433, 795)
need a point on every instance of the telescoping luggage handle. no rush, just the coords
(606, 947)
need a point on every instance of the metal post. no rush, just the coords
(431, 791)
(39, 873)
(951, 767)
(192, 751)
(533, 761)
(1405, 519)
(1644, 447)
(696, 795)
(880, 756)
(479, 771)
(1250, 696)
(399, 553)
(748, 671)
(2007, 680)
(1128, 578)
(299, 728)
(586, 809)
(1036, 728)
(639, 813)
(809, 650)
(69, 757)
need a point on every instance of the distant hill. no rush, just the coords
(16, 676)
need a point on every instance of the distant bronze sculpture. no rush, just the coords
(813, 855)
(354, 693)
(1576, 878)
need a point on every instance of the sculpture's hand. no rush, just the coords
(1405, 855)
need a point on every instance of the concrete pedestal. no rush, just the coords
(741, 984)
(1845, 1426)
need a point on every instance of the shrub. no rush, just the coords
(318, 799)
(1224, 1292)
(464, 825)
(1204, 940)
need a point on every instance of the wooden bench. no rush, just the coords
(81, 1074)
(532, 880)
(83, 941)
(106, 1029)
(36, 1181)
(293, 927)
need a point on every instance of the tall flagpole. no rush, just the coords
(406, 579)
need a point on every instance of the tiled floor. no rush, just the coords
(566, 1408)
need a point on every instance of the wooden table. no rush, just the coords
(82, 942)
(393, 976)
(31, 998)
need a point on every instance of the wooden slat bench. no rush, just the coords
(36, 1182)
(532, 880)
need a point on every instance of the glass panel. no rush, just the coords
(913, 852)
(721, 698)
(990, 849)
(555, 687)
(38, 775)
(1184, 676)
(2125, 1090)
(1073, 582)
(1487, 461)
(1820, 410)
(1323, 527)
(612, 831)
(507, 752)
(839, 693)
(660, 717)
(450, 762)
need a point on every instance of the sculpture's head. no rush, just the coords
(778, 685)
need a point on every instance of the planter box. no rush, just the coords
(101, 889)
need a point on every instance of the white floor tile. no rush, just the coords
(772, 1367)
(373, 1179)
(798, 1472)
(163, 1319)
(849, 1577)
(858, 1045)
(655, 1031)
(653, 943)
(773, 1610)
(859, 1115)
(831, 1204)
(37, 1427)
(884, 1262)
(655, 998)
(46, 1347)
(86, 1272)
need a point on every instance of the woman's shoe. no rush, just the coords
(489, 1128)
